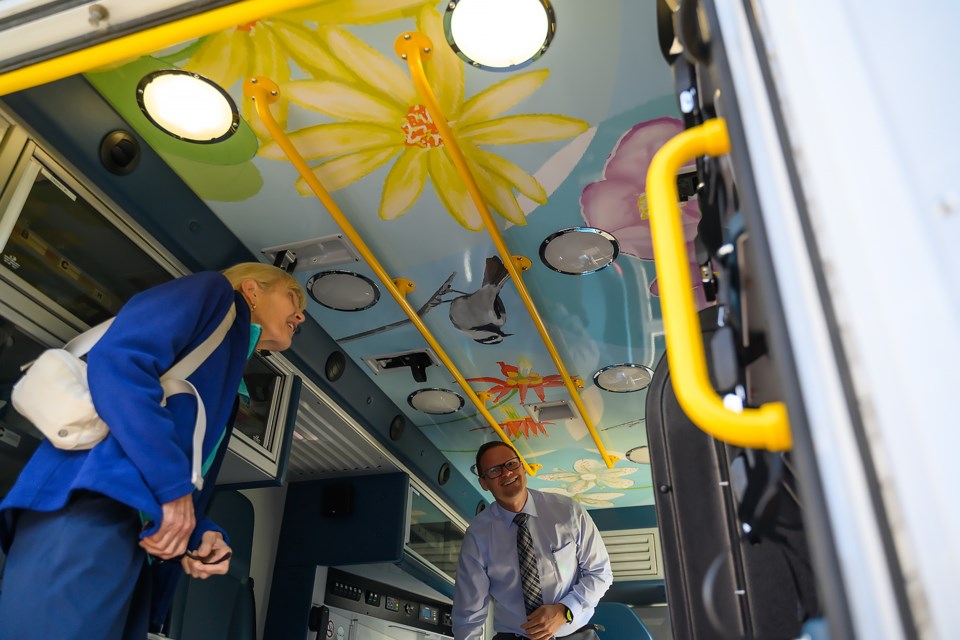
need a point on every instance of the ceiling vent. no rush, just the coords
(550, 411)
(326, 444)
(634, 553)
(417, 360)
(316, 253)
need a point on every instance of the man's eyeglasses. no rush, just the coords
(510, 465)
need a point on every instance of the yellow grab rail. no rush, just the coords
(144, 42)
(414, 47)
(263, 92)
(766, 427)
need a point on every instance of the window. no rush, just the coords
(433, 535)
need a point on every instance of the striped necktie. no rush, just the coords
(529, 576)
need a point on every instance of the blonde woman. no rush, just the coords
(79, 526)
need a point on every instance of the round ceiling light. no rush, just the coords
(499, 35)
(623, 378)
(640, 455)
(343, 290)
(578, 251)
(435, 401)
(187, 106)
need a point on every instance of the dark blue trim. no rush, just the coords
(288, 613)
(637, 593)
(625, 518)
(368, 526)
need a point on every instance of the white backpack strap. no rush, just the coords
(174, 381)
(192, 361)
(82, 343)
(173, 387)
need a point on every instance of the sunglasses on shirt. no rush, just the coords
(193, 556)
(208, 559)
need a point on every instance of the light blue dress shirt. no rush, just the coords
(571, 557)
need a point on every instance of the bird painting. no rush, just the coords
(481, 314)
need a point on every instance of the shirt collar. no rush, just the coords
(506, 517)
(255, 331)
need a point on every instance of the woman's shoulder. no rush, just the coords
(183, 299)
(210, 280)
(202, 284)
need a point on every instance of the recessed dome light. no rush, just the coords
(187, 106)
(435, 401)
(499, 35)
(578, 251)
(623, 378)
(343, 290)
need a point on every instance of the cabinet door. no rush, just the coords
(68, 251)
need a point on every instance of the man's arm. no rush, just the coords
(471, 592)
(596, 575)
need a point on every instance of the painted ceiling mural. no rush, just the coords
(564, 142)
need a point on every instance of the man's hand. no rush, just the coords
(176, 525)
(212, 558)
(544, 622)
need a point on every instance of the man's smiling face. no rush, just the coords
(510, 487)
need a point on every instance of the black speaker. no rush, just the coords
(120, 152)
(336, 500)
(319, 616)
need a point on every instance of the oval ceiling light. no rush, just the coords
(623, 378)
(578, 251)
(343, 290)
(499, 35)
(435, 401)
(187, 106)
(640, 455)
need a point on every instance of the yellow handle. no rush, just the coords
(263, 92)
(414, 47)
(763, 428)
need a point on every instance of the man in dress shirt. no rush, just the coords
(572, 562)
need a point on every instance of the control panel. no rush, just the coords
(382, 601)
(346, 590)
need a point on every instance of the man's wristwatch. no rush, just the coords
(568, 614)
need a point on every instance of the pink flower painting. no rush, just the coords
(618, 203)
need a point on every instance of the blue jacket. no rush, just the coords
(145, 461)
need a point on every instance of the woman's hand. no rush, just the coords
(176, 525)
(212, 558)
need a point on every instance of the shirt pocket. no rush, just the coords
(564, 558)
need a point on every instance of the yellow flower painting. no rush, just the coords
(378, 117)
(268, 47)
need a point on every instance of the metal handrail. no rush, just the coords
(766, 427)
(144, 42)
(263, 92)
(414, 47)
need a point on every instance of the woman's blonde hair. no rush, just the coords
(267, 276)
